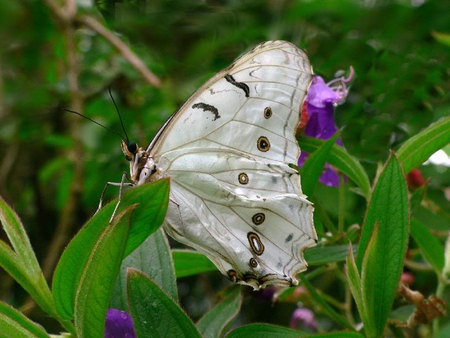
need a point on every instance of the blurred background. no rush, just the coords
(54, 165)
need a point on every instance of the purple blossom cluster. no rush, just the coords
(321, 100)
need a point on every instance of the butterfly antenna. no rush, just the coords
(99, 124)
(118, 113)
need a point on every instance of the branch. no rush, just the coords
(68, 16)
(64, 15)
(123, 48)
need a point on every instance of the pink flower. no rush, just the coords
(321, 100)
(305, 317)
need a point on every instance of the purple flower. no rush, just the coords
(119, 324)
(320, 102)
(305, 317)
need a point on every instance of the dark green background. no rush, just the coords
(52, 177)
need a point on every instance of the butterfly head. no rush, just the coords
(142, 167)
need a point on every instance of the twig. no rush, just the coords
(63, 14)
(68, 16)
(124, 49)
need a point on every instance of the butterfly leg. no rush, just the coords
(173, 201)
(116, 184)
(121, 185)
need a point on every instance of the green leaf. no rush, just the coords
(21, 262)
(98, 275)
(153, 258)
(443, 38)
(342, 160)
(369, 286)
(416, 198)
(338, 334)
(325, 307)
(19, 239)
(420, 147)
(432, 250)
(215, 322)
(13, 266)
(320, 255)
(313, 166)
(266, 331)
(150, 214)
(354, 282)
(69, 269)
(381, 262)
(189, 263)
(15, 324)
(154, 313)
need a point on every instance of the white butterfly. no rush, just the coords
(233, 196)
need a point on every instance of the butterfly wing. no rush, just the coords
(274, 75)
(233, 195)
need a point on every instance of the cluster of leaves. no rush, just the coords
(118, 264)
(401, 88)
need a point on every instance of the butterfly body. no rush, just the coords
(227, 151)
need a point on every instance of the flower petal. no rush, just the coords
(119, 324)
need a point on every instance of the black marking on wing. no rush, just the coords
(289, 238)
(207, 107)
(240, 85)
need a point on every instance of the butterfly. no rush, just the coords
(227, 150)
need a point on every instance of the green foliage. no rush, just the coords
(431, 248)
(214, 323)
(155, 313)
(420, 147)
(312, 168)
(54, 166)
(95, 285)
(342, 160)
(15, 324)
(152, 257)
(189, 263)
(382, 248)
(265, 330)
(74, 261)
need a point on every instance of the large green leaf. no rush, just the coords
(383, 243)
(153, 258)
(147, 217)
(15, 324)
(342, 160)
(97, 278)
(213, 323)
(154, 313)
(421, 146)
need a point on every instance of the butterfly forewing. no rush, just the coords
(228, 149)
(273, 75)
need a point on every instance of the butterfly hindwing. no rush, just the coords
(232, 205)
